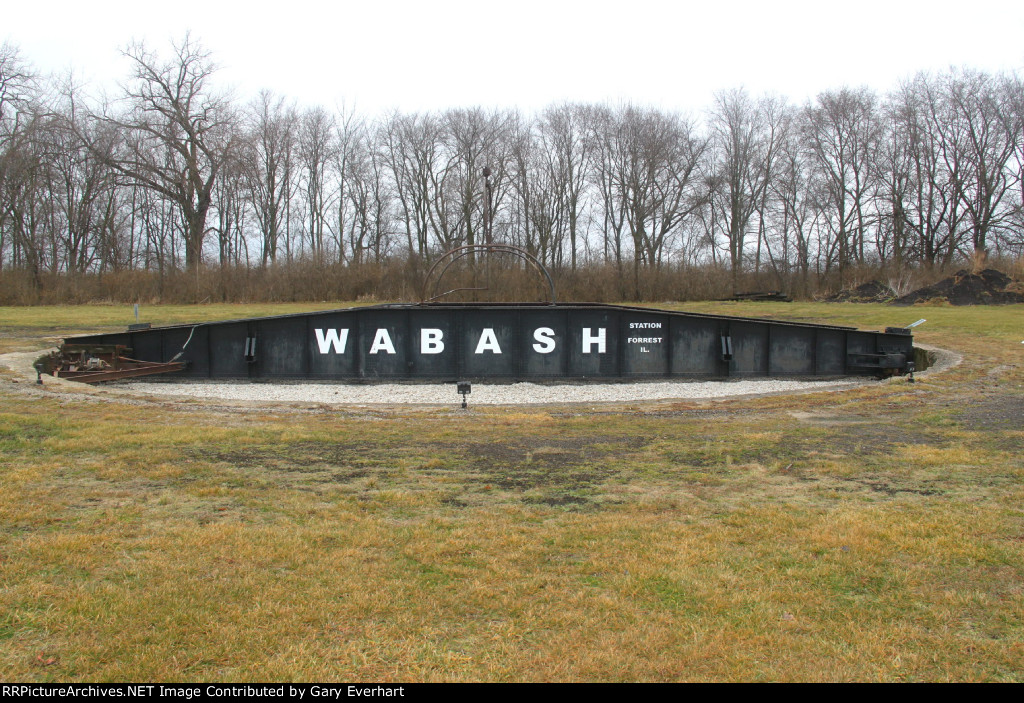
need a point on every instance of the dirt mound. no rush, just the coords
(990, 287)
(870, 292)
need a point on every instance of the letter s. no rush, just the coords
(545, 337)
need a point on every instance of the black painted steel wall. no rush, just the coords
(446, 342)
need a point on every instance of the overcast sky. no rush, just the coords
(436, 54)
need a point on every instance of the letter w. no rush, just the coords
(332, 338)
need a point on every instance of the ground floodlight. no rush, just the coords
(465, 389)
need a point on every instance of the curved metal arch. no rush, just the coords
(469, 249)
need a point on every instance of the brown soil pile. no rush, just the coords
(990, 287)
(870, 292)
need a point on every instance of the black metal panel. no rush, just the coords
(750, 349)
(282, 347)
(432, 342)
(861, 343)
(543, 343)
(512, 341)
(332, 342)
(791, 352)
(124, 339)
(895, 343)
(645, 341)
(696, 347)
(593, 345)
(830, 353)
(148, 346)
(227, 350)
(383, 344)
(490, 343)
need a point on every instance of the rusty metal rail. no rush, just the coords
(96, 363)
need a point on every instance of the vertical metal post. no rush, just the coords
(488, 215)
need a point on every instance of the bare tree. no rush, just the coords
(17, 88)
(535, 212)
(369, 193)
(933, 213)
(412, 147)
(317, 149)
(562, 132)
(26, 150)
(268, 161)
(83, 198)
(603, 135)
(174, 136)
(475, 139)
(987, 134)
(649, 173)
(1014, 102)
(841, 133)
(230, 207)
(745, 138)
(895, 185)
(24, 205)
(797, 217)
(350, 146)
(153, 220)
(358, 177)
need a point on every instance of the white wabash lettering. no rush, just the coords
(590, 340)
(545, 337)
(382, 342)
(488, 342)
(430, 341)
(332, 338)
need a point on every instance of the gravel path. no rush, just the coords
(444, 394)
(482, 394)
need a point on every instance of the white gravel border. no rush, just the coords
(482, 393)
(444, 394)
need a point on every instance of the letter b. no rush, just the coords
(430, 341)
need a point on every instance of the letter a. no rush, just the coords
(488, 342)
(382, 342)
(590, 340)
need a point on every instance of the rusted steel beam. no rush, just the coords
(123, 372)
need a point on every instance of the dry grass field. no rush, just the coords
(873, 534)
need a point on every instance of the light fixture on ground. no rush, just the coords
(465, 389)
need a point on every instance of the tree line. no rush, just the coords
(173, 179)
